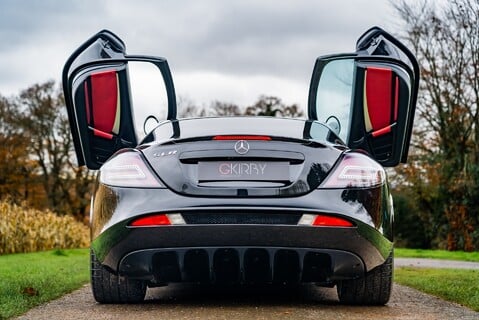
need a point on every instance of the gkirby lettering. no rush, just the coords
(241, 168)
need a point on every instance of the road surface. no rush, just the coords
(267, 302)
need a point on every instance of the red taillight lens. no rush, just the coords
(151, 221)
(323, 220)
(328, 221)
(156, 220)
(239, 137)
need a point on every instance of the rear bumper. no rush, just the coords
(337, 253)
(241, 265)
(341, 252)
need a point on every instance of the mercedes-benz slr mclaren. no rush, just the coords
(242, 200)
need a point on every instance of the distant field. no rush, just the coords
(28, 280)
(436, 254)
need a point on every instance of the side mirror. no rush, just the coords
(150, 123)
(334, 124)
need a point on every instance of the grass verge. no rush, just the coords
(28, 280)
(436, 254)
(460, 286)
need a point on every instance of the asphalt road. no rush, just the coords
(267, 302)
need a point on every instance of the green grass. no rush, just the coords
(436, 254)
(28, 280)
(460, 286)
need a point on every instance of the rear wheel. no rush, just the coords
(110, 288)
(372, 289)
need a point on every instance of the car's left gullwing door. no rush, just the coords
(368, 97)
(96, 84)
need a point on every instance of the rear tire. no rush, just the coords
(110, 288)
(372, 289)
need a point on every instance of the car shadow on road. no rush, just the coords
(242, 295)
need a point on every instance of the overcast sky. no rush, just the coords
(231, 51)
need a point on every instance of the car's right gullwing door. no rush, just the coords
(368, 97)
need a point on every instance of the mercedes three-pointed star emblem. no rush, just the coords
(241, 146)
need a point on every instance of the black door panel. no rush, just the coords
(102, 99)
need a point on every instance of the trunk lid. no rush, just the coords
(242, 157)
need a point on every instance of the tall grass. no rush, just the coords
(28, 230)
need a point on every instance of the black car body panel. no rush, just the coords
(244, 199)
(243, 226)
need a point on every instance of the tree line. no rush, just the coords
(37, 164)
(439, 187)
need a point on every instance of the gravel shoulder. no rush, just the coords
(435, 263)
(267, 302)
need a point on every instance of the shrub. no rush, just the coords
(27, 230)
(410, 230)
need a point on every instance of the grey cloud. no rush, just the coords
(272, 38)
(36, 20)
(258, 37)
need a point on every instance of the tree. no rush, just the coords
(188, 109)
(273, 107)
(264, 106)
(223, 109)
(44, 125)
(445, 156)
(15, 166)
(216, 109)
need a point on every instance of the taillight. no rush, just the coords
(328, 221)
(158, 220)
(242, 137)
(321, 220)
(356, 170)
(128, 169)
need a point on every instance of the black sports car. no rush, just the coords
(241, 200)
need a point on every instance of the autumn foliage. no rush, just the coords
(37, 163)
(442, 176)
